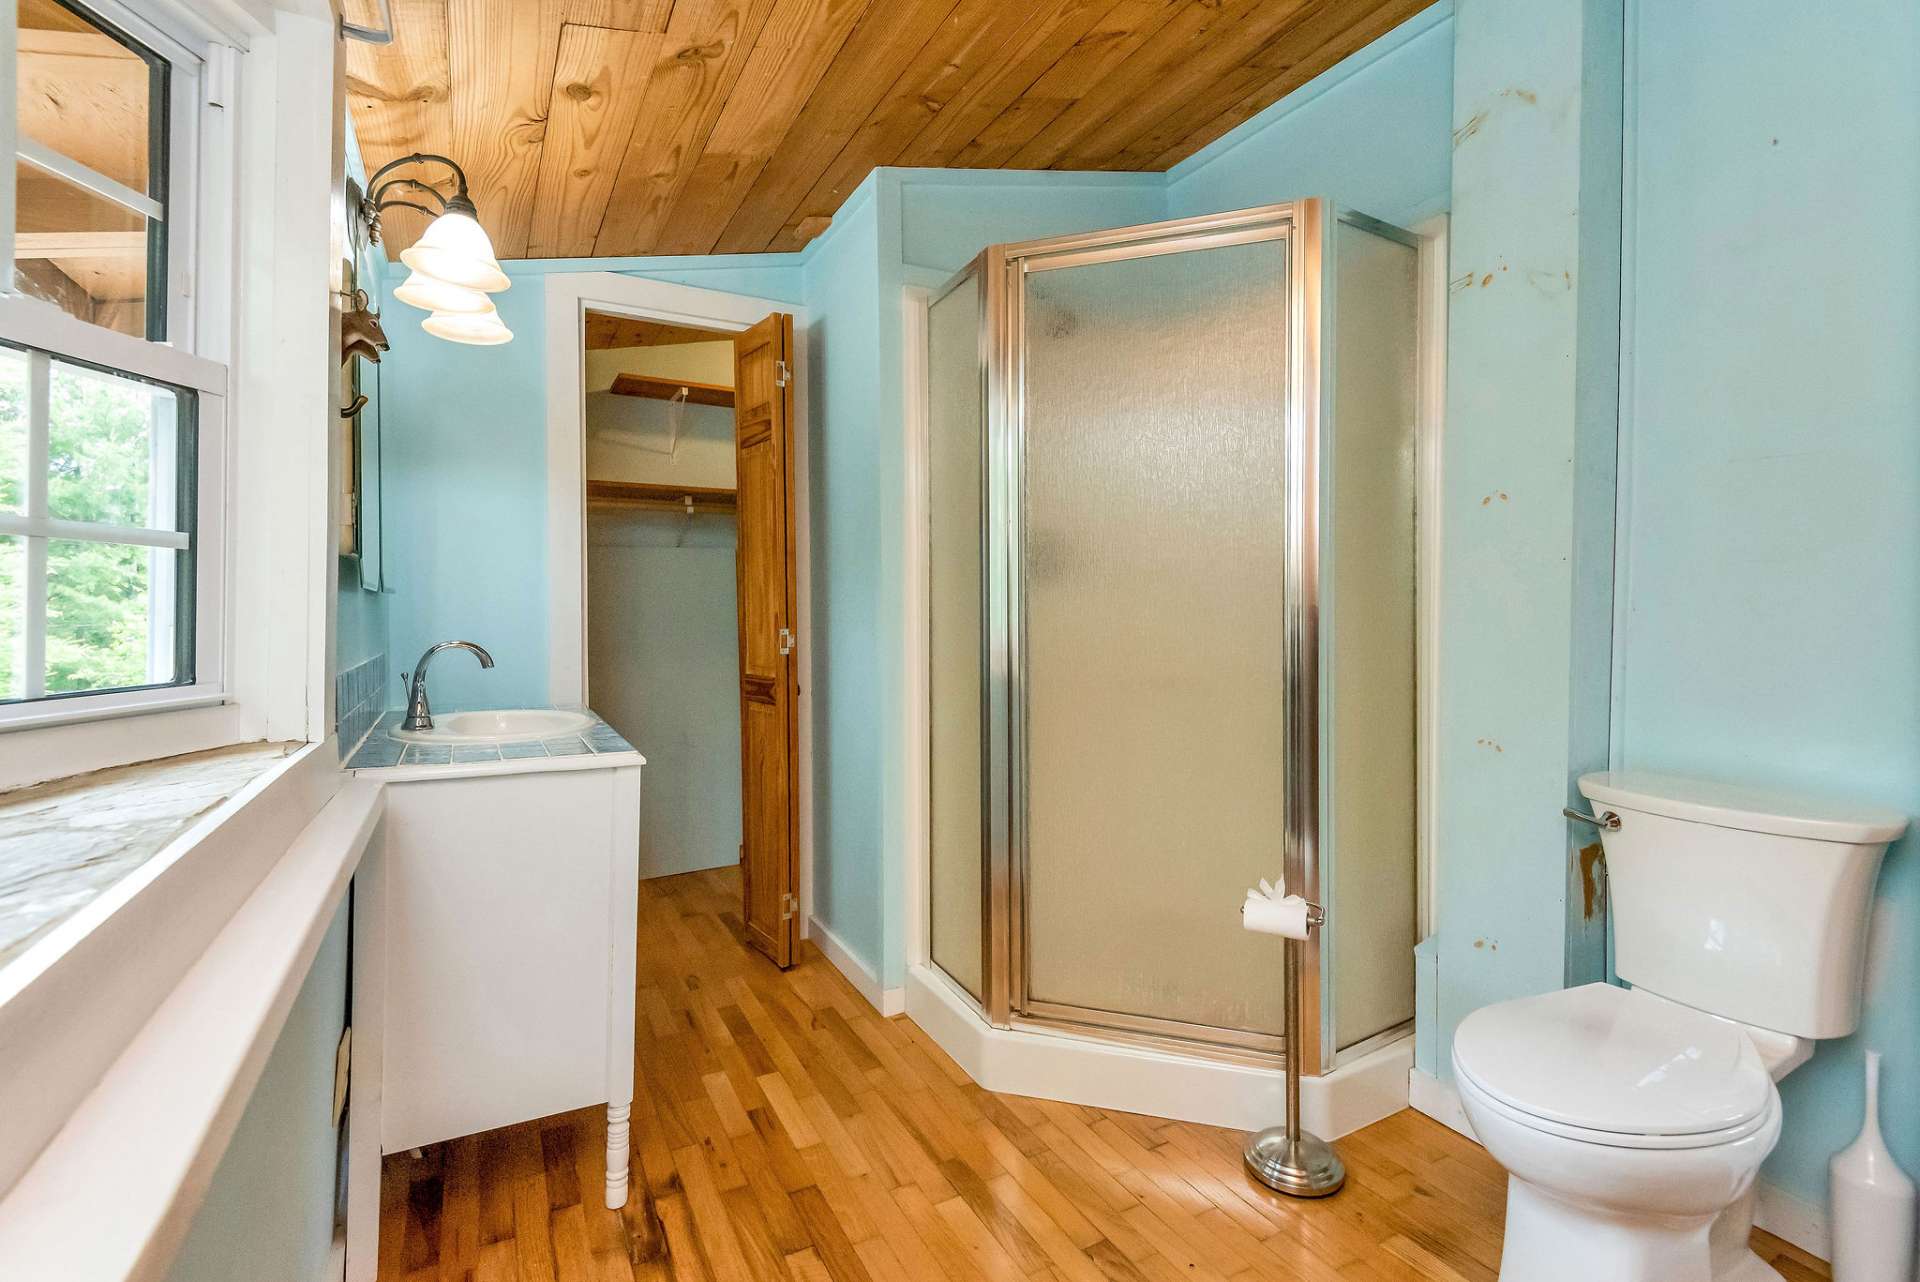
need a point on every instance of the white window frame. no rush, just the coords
(199, 218)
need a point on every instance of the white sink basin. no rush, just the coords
(498, 726)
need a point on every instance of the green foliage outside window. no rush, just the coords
(99, 464)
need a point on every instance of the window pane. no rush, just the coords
(111, 449)
(13, 607)
(13, 430)
(92, 96)
(81, 252)
(110, 615)
(87, 94)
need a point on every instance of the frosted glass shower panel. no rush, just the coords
(1153, 563)
(1367, 607)
(955, 520)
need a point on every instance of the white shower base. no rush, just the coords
(1138, 1079)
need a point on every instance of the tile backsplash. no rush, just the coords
(359, 696)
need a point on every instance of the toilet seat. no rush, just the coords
(1608, 1139)
(1615, 1067)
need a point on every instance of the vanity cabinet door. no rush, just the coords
(498, 941)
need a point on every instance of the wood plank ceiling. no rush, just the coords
(610, 127)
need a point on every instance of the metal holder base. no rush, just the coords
(1298, 1166)
(1285, 1158)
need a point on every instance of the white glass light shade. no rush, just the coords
(455, 249)
(482, 329)
(430, 294)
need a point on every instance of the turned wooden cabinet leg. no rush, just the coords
(618, 1146)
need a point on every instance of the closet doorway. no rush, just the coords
(690, 594)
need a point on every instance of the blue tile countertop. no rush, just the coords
(381, 751)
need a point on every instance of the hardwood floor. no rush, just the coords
(784, 1130)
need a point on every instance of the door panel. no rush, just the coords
(769, 689)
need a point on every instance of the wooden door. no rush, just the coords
(769, 685)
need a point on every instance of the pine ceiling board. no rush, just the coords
(1322, 35)
(502, 56)
(971, 39)
(400, 101)
(606, 330)
(1029, 56)
(1081, 70)
(627, 15)
(1195, 71)
(600, 78)
(1309, 28)
(880, 49)
(1288, 71)
(1196, 27)
(707, 45)
(747, 124)
(795, 48)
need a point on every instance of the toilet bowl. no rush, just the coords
(1632, 1122)
(1631, 1128)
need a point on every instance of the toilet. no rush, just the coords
(1632, 1121)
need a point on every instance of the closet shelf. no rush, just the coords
(648, 494)
(668, 389)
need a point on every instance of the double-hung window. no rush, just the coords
(113, 374)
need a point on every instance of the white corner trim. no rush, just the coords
(1438, 1100)
(888, 1001)
(916, 712)
(1141, 1079)
(1775, 1210)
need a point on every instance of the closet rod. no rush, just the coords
(648, 495)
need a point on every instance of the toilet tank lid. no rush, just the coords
(1725, 805)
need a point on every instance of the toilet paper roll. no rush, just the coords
(1284, 917)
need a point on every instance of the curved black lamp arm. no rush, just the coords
(378, 197)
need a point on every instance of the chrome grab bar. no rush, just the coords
(1606, 820)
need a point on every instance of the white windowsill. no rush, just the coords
(146, 1139)
(73, 1002)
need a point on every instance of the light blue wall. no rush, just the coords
(466, 474)
(845, 441)
(360, 625)
(1371, 132)
(270, 1209)
(1770, 565)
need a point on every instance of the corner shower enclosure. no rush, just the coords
(1170, 497)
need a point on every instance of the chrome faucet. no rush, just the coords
(419, 715)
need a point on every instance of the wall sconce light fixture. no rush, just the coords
(452, 265)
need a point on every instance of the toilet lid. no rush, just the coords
(1616, 1060)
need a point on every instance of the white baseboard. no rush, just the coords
(1138, 1079)
(888, 1001)
(1775, 1210)
(1786, 1216)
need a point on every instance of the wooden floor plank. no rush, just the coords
(784, 1131)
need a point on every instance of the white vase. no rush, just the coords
(1871, 1202)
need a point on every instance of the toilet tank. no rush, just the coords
(1740, 902)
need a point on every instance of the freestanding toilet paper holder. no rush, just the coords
(1286, 1158)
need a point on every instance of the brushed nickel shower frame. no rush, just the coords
(1002, 270)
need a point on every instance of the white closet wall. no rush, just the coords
(663, 669)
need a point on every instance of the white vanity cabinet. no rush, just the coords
(494, 952)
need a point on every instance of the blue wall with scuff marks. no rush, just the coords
(1769, 588)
